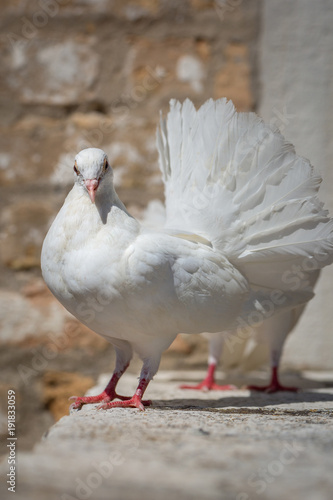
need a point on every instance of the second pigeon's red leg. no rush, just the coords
(277, 329)
(274, 385)
(209, 384)
(216, 342)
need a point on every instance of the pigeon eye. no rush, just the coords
(106, 165)
(76, 170)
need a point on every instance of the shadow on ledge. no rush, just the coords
(253, 403)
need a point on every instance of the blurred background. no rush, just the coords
(95, 73)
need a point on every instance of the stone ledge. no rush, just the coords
(188, 445)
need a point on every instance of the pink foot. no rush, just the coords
(104, 397)
(273, 386)
(134, 402)
(208, 384)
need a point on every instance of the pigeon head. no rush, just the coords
(92, 171)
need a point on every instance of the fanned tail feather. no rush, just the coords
(236, 182)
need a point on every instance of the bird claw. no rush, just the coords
(77, 404)
(79, 401)
(107, 402)
(102, 407)
(133, 402)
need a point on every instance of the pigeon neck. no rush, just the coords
(105, 202)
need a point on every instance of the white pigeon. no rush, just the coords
(241, 211)
(274, 330)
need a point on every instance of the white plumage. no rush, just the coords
(241, 210)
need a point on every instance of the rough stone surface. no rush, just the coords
(234, 78)
(232, 445)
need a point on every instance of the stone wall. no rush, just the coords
(79, 73)
(297, 94)
(82, 73)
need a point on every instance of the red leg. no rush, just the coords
(274, 385)
(208, 384)
(133, 402)
(107, 395)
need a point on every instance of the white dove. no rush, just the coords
(275, 331)
(241, 211)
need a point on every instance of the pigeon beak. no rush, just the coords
(92, 185)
